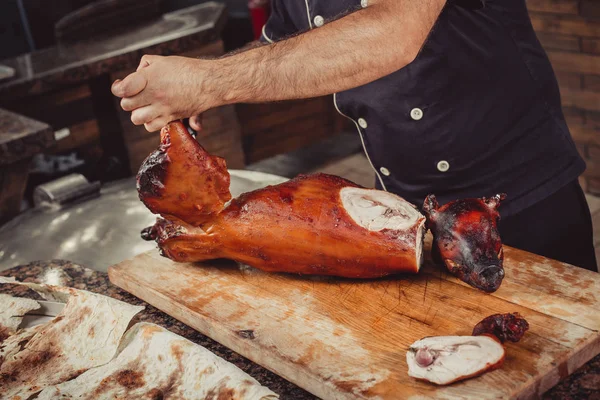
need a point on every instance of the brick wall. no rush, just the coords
(570, 32)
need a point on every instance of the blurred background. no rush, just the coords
(65, 144)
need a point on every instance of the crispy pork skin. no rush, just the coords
(181, 181)
(466, 239)
(510, 326)
(314, 224)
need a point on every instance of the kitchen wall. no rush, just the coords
(570, 32)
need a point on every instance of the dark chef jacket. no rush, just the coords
(478, 112)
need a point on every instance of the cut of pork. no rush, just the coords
(446, 359)
(314, 224)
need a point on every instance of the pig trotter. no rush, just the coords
(505, 327)
(148, 233)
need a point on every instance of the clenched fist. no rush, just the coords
(164, 89)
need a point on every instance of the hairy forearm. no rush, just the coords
(248, 46)
(349, 52)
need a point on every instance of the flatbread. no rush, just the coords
(17, 342)
(59, 294)
(84, 335)
(154, 363)
(12, 310)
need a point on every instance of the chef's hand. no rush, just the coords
(164, 89)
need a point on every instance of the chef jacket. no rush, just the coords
(478, 112)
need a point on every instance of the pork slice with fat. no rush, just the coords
(446, 359)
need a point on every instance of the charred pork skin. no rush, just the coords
(181, 181)
(505, 327)
(466, 239)
(315, 224)
(443, 360)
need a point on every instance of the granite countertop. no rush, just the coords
(174, 33)
(583, 384)
(22, 137)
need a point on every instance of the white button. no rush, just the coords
(385, 171)
(364, 3)
(362, 123)
(443, 166)
(319, 21)
(416, 114)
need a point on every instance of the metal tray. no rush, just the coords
(47, 312)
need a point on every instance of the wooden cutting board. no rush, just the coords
(343, 339)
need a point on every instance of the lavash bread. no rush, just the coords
(85, 352)
(155, 363)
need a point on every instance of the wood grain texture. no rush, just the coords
(581, 99)
(344, 339)
(13, 180)
(590, 46)
(551, 41)
(574, 62)
(269, 129)
(584, 134)
(554, 6)
(22, 137)
(565, 25)
(80, 134)
(592, 82)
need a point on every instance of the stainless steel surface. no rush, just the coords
(47, 312)
(64, 190)
(96, 233)
(6, 72)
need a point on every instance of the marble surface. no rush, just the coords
(174, 33)
(22, 137)
(583, 384)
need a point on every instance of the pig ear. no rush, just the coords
(495, 201)
(430, 206)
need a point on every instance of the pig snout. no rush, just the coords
(489, 277)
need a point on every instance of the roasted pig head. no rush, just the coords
(466, 239)
(181, 181)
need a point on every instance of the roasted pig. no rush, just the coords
(313, 224)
